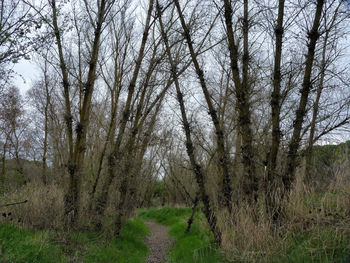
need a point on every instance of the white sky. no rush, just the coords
(27, 72)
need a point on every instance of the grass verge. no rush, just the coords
(19, 245)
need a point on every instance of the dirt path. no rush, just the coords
(158, 242)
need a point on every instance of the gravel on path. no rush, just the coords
(158, 242)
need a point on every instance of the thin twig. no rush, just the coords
(17, 203)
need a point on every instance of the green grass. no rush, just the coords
(320, 245)
(130, 248)
(18, 245)
(195, 247)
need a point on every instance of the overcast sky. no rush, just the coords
(27, 72)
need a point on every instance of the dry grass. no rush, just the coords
(316, 227)
(44, 209)
(244, 239)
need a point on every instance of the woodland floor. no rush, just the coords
(158, 242)
(147, 234)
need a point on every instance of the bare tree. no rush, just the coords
(242, 98)
(208, 210)
(224, 159)
(116, 154)
(14, 124)
(77, 148)
(331, 35)
(16, 34)
(40, 97)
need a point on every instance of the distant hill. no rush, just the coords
(330, 155)
(328, 162)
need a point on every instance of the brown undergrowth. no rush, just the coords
(315, 228)
(43, 210)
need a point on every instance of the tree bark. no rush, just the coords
(270, 180)
(190, 220)
(46, 123)
(3, 165)
(308, 154)
(65, 81)
(242, 100)
(289, 174)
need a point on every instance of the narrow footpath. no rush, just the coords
(158, 242)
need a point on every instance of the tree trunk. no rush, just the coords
(208, 211)
(76, 158)
(289, 174)
(46, 121)
(223, 156)
(308, 157)
(115, 156)
(115, 90)
(270, 180)
(130, 171)
(190, 220)
(109, 139)
(66, 85)
(3, 165)
(242, 100)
